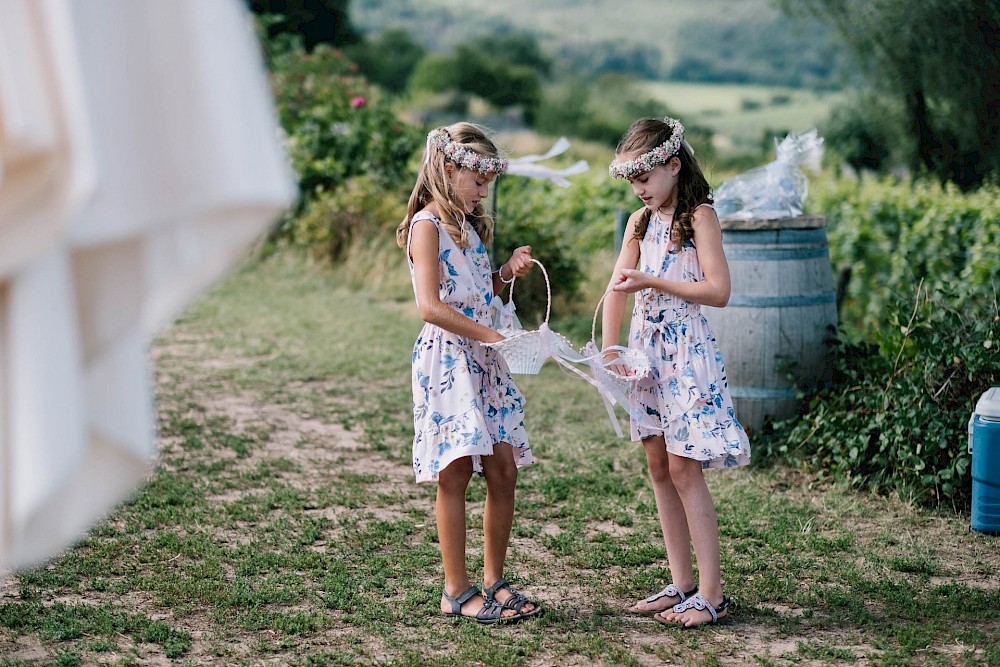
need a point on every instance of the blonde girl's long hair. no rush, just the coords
(643, 136)
(433, 185)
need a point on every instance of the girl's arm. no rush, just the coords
(518, 265)
(614, 302)
(714, 290)
(424, 253)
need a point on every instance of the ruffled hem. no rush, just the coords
(694, 415)
(495, 415)
(685, 440)
(489, 435)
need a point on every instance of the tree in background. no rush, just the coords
(941, 60)
(314, 21)
(388, 58)
(750, 46)
(487, 70)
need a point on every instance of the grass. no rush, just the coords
(282, 525)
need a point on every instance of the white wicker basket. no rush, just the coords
(622, 372)
(524, 351)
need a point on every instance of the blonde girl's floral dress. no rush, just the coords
(686, 396)
(464, 399)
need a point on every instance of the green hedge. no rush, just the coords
(896, 415)
(892, 234)
(337, 126)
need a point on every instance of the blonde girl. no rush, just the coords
(468, 414)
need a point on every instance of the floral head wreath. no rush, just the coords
(462, 156)
(659, 155)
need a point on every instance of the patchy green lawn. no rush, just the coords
(282, 526)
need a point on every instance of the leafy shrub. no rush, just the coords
(560, 263)
(336, 124)
(861, 132)
(472, 70)
(891, 235)
(896, 415)
(360, 211)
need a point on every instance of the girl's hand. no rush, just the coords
(495, 337)
(609, 357)
(630, 281)
(519, 263)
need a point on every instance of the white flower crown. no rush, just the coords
(462, 156)
(659, 155)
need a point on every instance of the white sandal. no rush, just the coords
(671, 591)
(697, 602)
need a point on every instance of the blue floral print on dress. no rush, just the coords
(686, 396)
(464, 398)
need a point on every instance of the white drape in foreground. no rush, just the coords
(139, 159)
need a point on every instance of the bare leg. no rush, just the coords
(673, 523)
(450, 510)
(501, 479)
(699, 509)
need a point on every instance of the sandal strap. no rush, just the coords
(498, 585)
(700, 603)
(515, 601)
(491, 611)
(672, 590)
(457, 601)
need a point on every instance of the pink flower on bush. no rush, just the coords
(358, 102)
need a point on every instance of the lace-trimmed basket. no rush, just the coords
(634, 362)
(525, 351)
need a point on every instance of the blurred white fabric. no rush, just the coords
(526, 165)
(139, 160)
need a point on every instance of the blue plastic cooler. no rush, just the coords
(984, 445)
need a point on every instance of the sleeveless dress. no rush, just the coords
(464, 398)
(686, 396)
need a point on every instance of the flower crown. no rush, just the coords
(659, 155)
(462, 156)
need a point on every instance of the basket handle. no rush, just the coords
(593, 325)
(548, 289)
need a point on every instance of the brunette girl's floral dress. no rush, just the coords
(464, 399)
(686, 396)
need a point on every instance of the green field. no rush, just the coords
(740, 115)
(645, 21)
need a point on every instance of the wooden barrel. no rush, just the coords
(782, 315)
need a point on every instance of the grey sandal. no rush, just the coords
(516, 601)
(490, 613)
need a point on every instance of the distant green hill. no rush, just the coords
(734, 41)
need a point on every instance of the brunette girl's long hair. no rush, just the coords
(643, 136)
(433, 186)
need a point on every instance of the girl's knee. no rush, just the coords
(657, 461)
(455, 477)
(659, 471)
(502, 476)
(686, 474)
(500, 471)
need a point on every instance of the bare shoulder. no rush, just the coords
(423, 233)
(705, 213)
